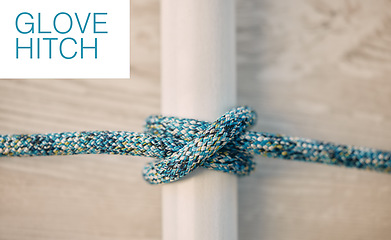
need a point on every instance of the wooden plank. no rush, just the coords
(310, 69)
(83, 197)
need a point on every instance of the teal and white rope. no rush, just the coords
(182, 145)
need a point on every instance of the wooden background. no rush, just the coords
(311, 68)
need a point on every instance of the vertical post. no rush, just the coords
(199, 81)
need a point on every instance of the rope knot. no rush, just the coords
(190, 143)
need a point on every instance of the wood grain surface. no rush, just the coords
(311, 68)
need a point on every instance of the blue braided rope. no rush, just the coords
(181, 145)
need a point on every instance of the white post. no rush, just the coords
(199, 81)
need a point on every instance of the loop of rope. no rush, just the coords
(182, 145)
(198, 146)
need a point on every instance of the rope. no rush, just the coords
(182, 145)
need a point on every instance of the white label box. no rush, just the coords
(70, 39)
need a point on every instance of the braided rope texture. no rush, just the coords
(181, 145)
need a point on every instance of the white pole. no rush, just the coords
(199, 81)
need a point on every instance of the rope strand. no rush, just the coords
(180, 145)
